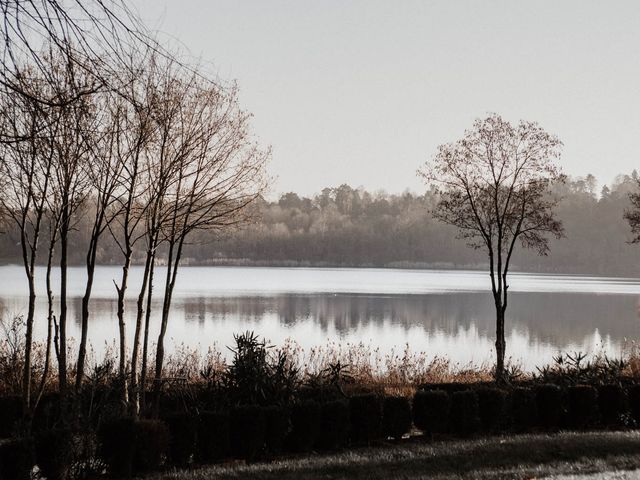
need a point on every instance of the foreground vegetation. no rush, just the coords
(277, 404)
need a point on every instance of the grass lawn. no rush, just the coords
(520, 457)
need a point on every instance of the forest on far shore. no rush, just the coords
(345, 226)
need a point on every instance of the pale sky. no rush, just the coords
(362, 92)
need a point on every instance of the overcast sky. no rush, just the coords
(362, 92)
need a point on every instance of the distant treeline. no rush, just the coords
(344, 226)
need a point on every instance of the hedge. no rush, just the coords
(611, 403)
(278, 426)
(524, 411)
(335, 425)
(55, 452)
(214, 437)
(431, 410)
(582, 405)
(306, 419)
(183, 433)
(248, 431)
(366, 418)
(549, 403)
(396, 417)
(465, 412)
(16, 459)
(492, 403)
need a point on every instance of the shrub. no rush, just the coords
(128, 446)
(634, 402)
(48, 412)
(277, 428)
(335, 425)
(55, 451)
(549, 405)
(116, 446)
(214, 437)
(151, 445)
(431, 411)
(492, 403)
(523, 409)
(582, 405)
(396, 417)
(16, 459)
(612, 403)
(366, 418)
(183, 430)
(305, 425)
(10, 414)
(465, 412)
(248, 431)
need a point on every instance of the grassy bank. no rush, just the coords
(523, 456)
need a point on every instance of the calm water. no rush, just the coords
(438, 312)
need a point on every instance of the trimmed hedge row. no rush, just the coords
(131, 447)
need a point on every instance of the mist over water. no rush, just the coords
(443, 313)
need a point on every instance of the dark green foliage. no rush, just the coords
(183, 430)
(524, 412)
(305, 425)
(255, 378)
(366, 418)
(16, 459)
(335, 425)
(493, 408)
(465, 412)
(128, 446)
(214, 437)
(431, 411)
(248, 431)
(151, 445)
(582, 402)
(396, 417)
(277, 428)
(10, 414)
(56, 451)
(48, 412)
(549, 405)
(612, 403)
(575, 369)
(116, 446)
(634, 402)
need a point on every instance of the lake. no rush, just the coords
(441, 312)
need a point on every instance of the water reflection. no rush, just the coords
(457, 324)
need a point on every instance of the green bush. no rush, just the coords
(16, 459)
(306, 419)
(523, 409)
(335, 425)
(277, 428)
(366, 418)
(248, 431)
(465, 412)
(396, 417)
(10, 414)
(56, 451)
(431, 410)
(582, 405)
(151, 445)
(183, 431)
(214, 437)
(128, 446)
(116, 446)
(549, 405)
(612, 403)
(492, 403)
(634, 403)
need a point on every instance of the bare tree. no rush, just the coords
(26, 168)
(495, 188)
(213, 173)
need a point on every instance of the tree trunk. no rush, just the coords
(82, 351)
(500, 343)
(122, 368)
(62, 355)
(134, 395)
(145, 342)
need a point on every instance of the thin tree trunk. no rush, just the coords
(145, 342)
(500, 343)
(62, 354)
(82, 351)
(122, 368)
